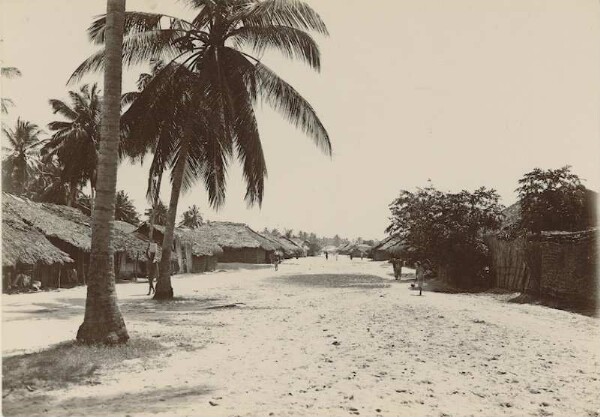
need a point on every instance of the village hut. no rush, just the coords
(27, 251)
(239, 242)
(70, 230)
(358, 250)
(193, 249)
(288, 247)
(388, 248)
(302, 244)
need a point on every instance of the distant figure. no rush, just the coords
(151, 253)
(397, 264)
(420, 275)
(276, 261)
(351, 256)
(336, 256)
(326, 255)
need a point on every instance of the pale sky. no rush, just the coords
(466, 93)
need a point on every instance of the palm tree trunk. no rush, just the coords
(164, 290)
(103, 322)
(72, 193)
(155, 200)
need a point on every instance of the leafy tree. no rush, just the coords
(160, 213)
(205, 124)
(447, 229)
(125, 210)
(75, 141)
(289, 233)
(192, 218)
(103, 322)
(8, 72)
(22, 160)
(554, 199)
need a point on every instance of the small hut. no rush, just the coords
(70, 230)
(239, 242)
(386, 249)
(288, 247)
(193, 250)
(27, 251)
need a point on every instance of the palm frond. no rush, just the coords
(62, 108)
(292, 13)
(135, 22)
(285, 99)
(137, 49)
(291, 42)
(10, 72)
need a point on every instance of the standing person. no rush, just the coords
(151, 253)
(326, 255)
(397, 265)
(276, 261)
(420, 274)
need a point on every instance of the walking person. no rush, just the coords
(151, 253)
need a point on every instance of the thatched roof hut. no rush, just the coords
(69, 226)
(235, 236)
(22, 244)
(388, 248)
(287, 246)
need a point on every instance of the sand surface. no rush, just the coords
(318, 337)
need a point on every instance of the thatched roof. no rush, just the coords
(23, 244)
(236, 236)
(286, 245)
(124, 226)
(69, 225)
(392, 245)
(201, 242)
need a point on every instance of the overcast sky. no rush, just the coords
(466, 93)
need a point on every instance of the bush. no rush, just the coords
(446, 229)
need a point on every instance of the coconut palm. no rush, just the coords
(192, 218)
(21, 160)
(210, 117)
(124, 209)
(75, 141)
(103, 322)
(8, 72)
(47, 186)
(159, 212)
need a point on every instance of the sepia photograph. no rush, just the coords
(300, 208)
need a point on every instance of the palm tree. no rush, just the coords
(8, 72)
(22, 160)
(209, 88)
(159, 212)
(47, 186)
(103, 322)
(75, 141)
(192, 218)
(124, 209)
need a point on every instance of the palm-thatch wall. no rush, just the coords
(558, 265)
(239, 242)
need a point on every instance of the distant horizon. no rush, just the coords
(465, 93)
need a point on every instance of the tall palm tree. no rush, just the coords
(22, 154)
(8, 72)
(212, 118)
(103, 321)
(75, 141)
(48, 186)
(192, 218)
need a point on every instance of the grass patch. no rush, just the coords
(337, 280)
(69, 362)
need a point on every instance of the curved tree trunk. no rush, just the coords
(164, 290)
(155, 200)
(72, 193)
(103, 322)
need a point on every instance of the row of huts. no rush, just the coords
(51, 244)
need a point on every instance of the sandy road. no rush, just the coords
(301, 342)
